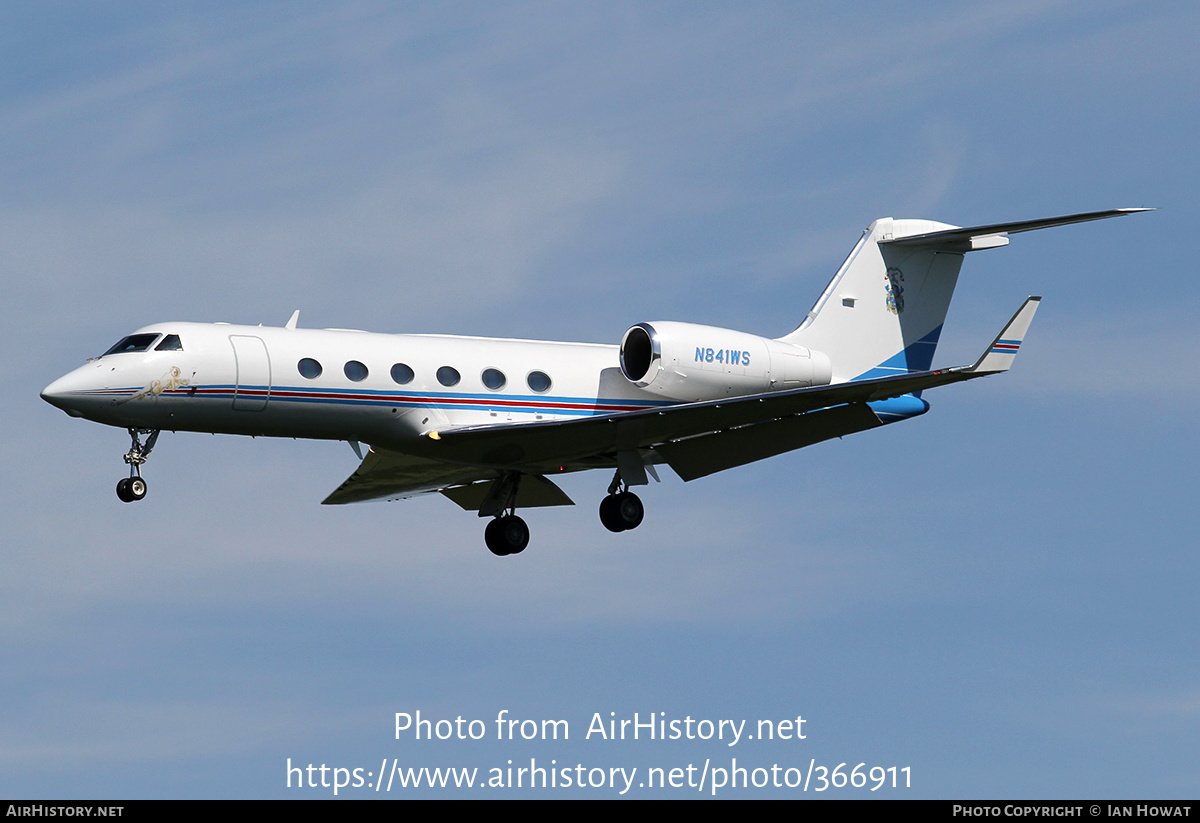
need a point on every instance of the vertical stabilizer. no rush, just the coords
(883, 311)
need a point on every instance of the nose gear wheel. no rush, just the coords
(133, 488)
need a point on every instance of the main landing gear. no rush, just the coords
(506, 535)
(133, 488)
(622, 510)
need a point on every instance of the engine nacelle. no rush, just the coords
(683, 361)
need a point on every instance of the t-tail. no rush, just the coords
(882, 313)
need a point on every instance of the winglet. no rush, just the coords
(291, 324)
(1000, 355)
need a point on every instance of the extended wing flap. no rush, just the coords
(533, 491)
(388, 475)
(710, 453)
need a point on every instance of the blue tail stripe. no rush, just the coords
(916, 356)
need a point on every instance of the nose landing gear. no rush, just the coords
(130, 489)
(133, 488)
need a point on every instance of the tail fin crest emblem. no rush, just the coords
(894, 290)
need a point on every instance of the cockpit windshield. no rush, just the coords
(132, 343)
(170, 343)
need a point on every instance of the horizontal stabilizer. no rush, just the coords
(986, 237)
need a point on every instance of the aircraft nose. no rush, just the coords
(61, 392)
(53, 393)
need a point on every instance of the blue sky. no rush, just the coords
(999, 595)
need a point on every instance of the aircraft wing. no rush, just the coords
(695, 439)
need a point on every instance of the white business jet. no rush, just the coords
(487, 422)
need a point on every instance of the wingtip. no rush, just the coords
(999, 356)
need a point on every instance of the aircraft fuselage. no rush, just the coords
(383, 389)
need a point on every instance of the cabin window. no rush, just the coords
(402, 373)
(355, 371)
(494, 379)
(539, 381)
(132, 343)
(170, 343)
(309, 368)
(448, 376)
